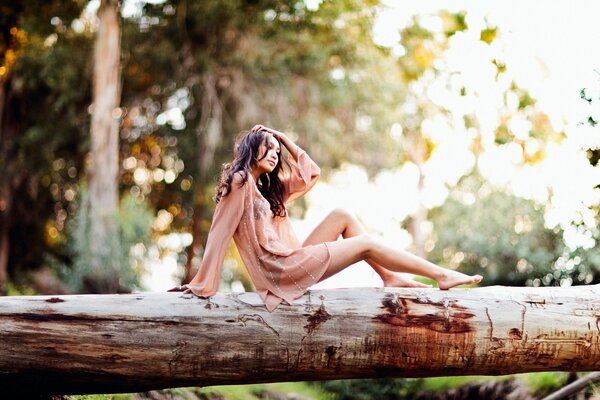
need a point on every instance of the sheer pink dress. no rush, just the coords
(280, 268)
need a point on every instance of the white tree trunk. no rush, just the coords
(125, 343)
(104, 166)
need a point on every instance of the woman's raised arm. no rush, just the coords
(291, 147)
(305, 171)
(304, 175)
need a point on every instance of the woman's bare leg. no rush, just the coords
(363, 247)
(340, 222)
(346, 252)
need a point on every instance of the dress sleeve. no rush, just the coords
(304, 175)
(226, 218)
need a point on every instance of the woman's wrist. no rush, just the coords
(291, 147)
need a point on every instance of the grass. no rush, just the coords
(543, 383)
(444, 383)
(255, 391)
(100, 397)
(539, 383)
(230, 392)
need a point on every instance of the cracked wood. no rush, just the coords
(127, 343)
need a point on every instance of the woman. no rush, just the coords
(251, 199)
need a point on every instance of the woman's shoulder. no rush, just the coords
(239, 181)
(238, 177)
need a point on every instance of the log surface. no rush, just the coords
(136, 342)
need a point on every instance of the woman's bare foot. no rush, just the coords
(397, 280)
(450, 279)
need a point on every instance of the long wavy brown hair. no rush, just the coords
(245, 158)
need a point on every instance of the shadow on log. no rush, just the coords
(137, 342)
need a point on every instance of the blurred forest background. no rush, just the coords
(115, 120)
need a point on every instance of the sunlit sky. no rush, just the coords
(551, 51)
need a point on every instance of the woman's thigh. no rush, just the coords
(346, 252)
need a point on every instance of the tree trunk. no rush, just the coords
(137, 342)
(103, 170)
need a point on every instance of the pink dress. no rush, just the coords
(280, 268)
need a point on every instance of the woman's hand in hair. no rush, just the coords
(257, 128)
(276, 133)
(282, 137)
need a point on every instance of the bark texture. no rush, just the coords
(137, 342)
(104, 167)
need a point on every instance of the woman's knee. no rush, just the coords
(340, 213)
(344, 216)
(367, 244)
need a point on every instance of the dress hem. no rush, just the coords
(290, 300)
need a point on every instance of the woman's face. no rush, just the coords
(268, 155)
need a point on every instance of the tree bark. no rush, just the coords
(105, 125)
(104, 168)
(137, 342)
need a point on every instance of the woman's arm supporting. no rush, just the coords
(226, 218)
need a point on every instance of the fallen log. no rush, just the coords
(136, 342)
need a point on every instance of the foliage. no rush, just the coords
(445, 383)
(14, 290)
(22, 22)
(44, 111)
(487, 230)
(539, 384)
(282, 391)
(366, 389)
(481, 229)
(100, 397)
(544, 383)
(593, 101)
(122, 270)
(264, 55)
(263, 391)
(592, 120)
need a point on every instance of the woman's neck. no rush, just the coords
(255, 174)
